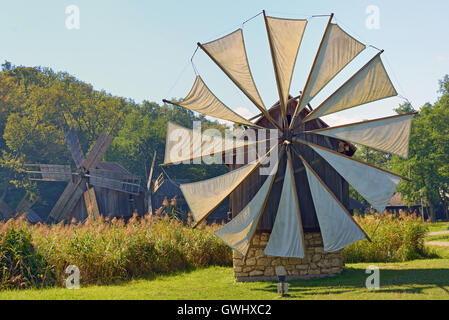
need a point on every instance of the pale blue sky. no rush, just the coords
(138, 49)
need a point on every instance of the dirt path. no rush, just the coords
(437, 243)
(437, 233)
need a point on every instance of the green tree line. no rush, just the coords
(38, 104)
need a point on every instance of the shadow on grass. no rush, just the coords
(412, 281)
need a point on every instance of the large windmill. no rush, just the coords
(104, 187)
(308, 189)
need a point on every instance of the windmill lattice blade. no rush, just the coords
(115, 175)
(337, 50)
(287, 238)
(113, 184)
(98, 151)
(370, 84)
(338, 228)
(74, 147)
(183, 145)
(25, 204)
(50, 172)
(389, 134)
(238, 233)
(66, 202)
(203, 197)
(229, 53)
(90, 199)
(285, 36)
(376, 186)
(202, 100)
(5, 210)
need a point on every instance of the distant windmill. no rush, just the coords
(112, 184)
(24, 205)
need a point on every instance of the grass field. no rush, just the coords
(438, 226)
(419, 279)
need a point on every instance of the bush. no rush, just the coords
(396, 239)
(106, 251)
(21, 265)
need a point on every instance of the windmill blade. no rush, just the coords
(202, 100)
(369, 84)
(5, 210)
(338, 228)
(149, 193)
(391, 134)
(158, 183)
(25, 204)
(239, 233)
(49, 172)
(183, 145)
(374, 184)
(114, 175)
(229, 54)
(90, 199)
(96, 154)
(67, 201)
(336, 51)
(150, 176)
(287, 237)
(285, 37)
(204, 197)
(115, 184)
(74, 147)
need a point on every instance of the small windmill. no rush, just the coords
(92, 178)
(309, 183)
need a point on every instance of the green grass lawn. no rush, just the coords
(441, 237)
(438, 226)
(419, 279)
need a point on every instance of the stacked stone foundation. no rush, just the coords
(259, 267)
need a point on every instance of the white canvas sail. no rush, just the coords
(286, 239)
(286, 36)
(205, 196)
(180, 146)
(229, 53)
(337, 51)
(238, 233)
(337, 227)
(390, 134)
(370, 84)
(202, 100)
(375, 185)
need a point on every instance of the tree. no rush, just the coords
(428, 159)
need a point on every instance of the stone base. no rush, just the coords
(259, 267)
